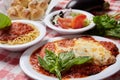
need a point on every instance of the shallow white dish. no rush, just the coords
(48, 22)
(27, 67)
(20, 47)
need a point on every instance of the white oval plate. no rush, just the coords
(27, 67)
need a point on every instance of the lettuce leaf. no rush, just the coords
(106, 25)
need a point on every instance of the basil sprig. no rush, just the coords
(5, 21)
(64, 61)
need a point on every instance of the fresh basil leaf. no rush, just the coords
(5, 21)
(76, 61)
(50, 58)
(57, 69)
(65, 57)
(53, 63)
(43, 63)
(56, 64)
(50, 55)
(58, 73)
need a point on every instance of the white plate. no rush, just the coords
(19, 47)
(49, 17)
(27, 67)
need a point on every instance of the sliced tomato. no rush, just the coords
(64, 22)
(78, 21)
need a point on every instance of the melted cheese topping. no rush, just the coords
(82, 47)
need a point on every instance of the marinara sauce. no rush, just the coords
(15, 30)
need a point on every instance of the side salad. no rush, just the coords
(106, 25)
(70, 20)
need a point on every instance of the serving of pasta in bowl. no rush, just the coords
(21, 34)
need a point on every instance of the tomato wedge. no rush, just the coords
(64, 22)
(78, 21)
(75, 23)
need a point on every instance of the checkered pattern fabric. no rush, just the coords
(9, 61)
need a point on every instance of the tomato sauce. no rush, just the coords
(76, 71)
(35, 64)
(111, 47)
(15, 30)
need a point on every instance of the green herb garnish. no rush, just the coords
(5, 21)
(64, 61)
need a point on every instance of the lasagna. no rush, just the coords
(103, 54)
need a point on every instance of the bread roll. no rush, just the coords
(42, 4)
(23, 3)
(19, 9)
(36, 14)
(26, 13)
(15, 2)
(27, 9)
(12, 13)
(32, 4)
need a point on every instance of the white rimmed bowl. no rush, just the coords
(21, 47)
(49, 17)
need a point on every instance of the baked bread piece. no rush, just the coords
(13, 14)
(20, 2)
(27, 9)
(35, 14)
(42, 4)
(26, 14)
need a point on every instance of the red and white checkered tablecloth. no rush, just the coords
(9, 61)
(114, 5)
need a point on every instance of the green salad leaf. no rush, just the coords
(106, 25)
(105, 21)
(5, 21)
(64, 61)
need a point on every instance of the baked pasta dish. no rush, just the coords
(101, 55)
